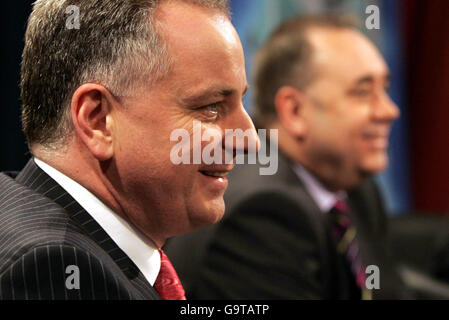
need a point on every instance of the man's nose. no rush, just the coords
(386, 109)
(241, 128)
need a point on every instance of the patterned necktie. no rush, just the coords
(167, 283)
(347, 244)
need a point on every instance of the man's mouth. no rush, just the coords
(215, 174)
(380, 133)
(215, 178)
(376, 136)
(216, 171)
(377, 141)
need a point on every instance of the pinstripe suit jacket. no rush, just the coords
(43, 230)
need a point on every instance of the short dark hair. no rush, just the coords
(117, 45)
(286, 59)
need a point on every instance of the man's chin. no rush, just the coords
(210, 213)
(375, 165)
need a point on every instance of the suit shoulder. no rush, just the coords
(60, 272)
(277, 210)
(29, 220)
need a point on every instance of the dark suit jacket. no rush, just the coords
(440, 264)
(43, 230)
(274, 243)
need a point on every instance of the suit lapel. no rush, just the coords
(337, 274)
(334, 273)
(36, 179)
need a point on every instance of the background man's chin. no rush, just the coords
(376, 163)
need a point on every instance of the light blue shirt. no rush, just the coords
(324, 198)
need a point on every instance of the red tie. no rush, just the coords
(167, 283)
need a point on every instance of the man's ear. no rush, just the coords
(91, 113)
(289, 104)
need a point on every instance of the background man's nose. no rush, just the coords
(386, 109)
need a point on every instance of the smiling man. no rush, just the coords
(100, 195)
(312, 230)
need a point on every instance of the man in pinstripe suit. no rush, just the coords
(87, 216)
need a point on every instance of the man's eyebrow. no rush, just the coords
(365, 80)
(370, 79)
(217, 92)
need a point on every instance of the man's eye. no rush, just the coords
(212, 110)
(361, 92)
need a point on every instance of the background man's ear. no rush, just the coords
(91, 113)
(289, 103)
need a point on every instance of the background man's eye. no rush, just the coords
(361, 92)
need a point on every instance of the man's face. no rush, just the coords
(206, 83)
(351, 114)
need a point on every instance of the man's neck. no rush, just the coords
(333, 176)
(83, 170)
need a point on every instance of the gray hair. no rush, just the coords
(117, 45)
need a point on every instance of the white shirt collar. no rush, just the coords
(324, 198)
(139, 248)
